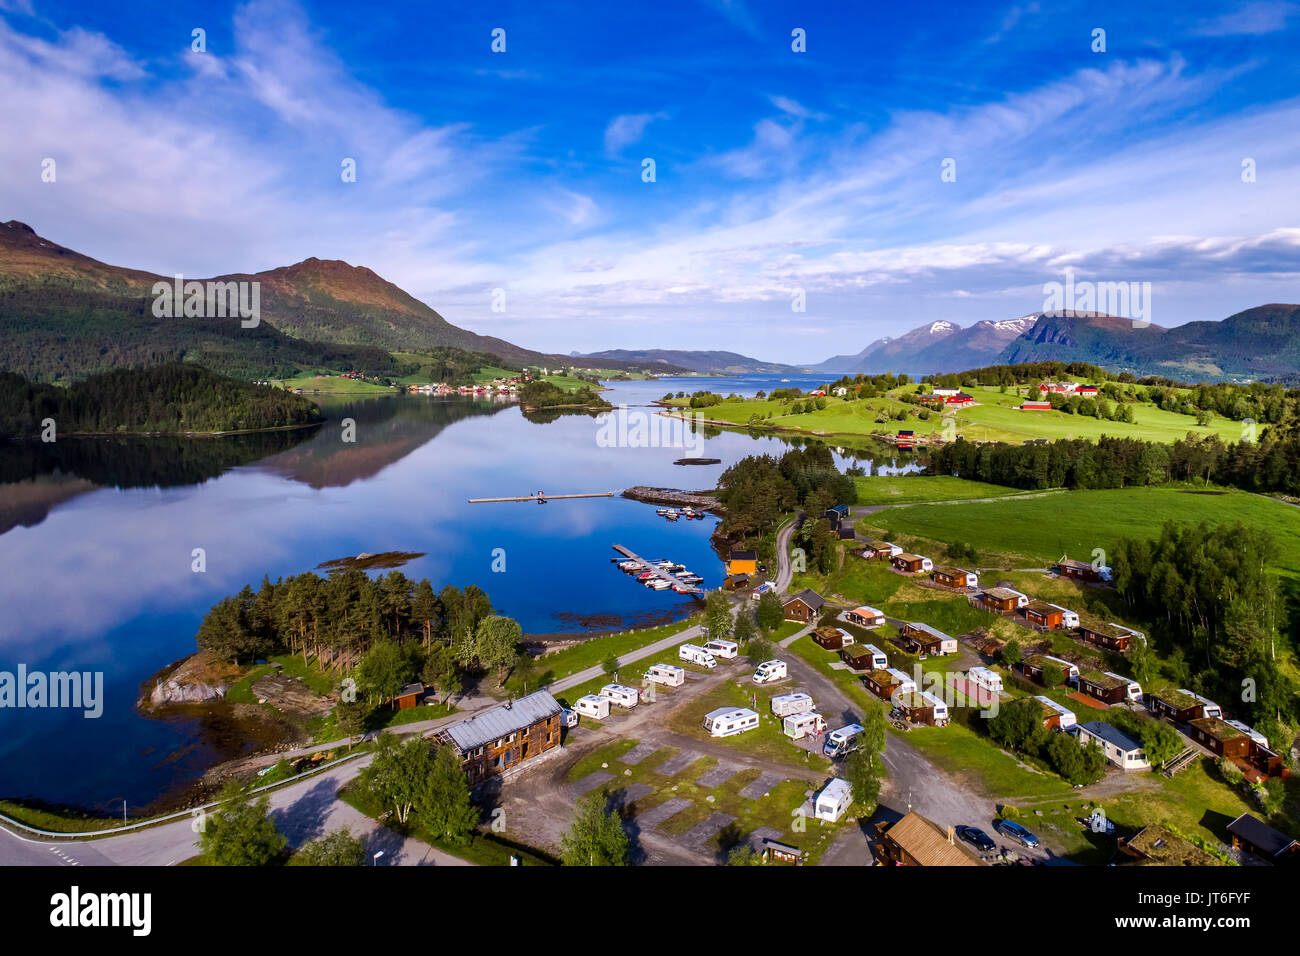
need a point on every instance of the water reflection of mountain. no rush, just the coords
(35, 477)
(386, 430)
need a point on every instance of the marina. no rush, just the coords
(658, 576)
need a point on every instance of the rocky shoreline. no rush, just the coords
(699, 500)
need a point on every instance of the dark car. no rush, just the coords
(977, 838)
(1015, 831)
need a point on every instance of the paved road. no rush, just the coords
(591, 673)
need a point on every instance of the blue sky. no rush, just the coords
(776, 171)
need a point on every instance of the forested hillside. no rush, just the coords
(170, 398)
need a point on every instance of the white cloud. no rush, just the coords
(625, 130)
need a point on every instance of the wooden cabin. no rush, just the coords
(911, 563)
(1155, 846)
(804, 606)
(875, 549)
(497, 741)
(886, 683)
(1222, 738)
(1032, 668)
(1178, 705)
(1001, 600)
(742, 562)
(1256, 837)
(1113, 637)
(956, 577)
(1104, 687)
(409, 696)
(918, 638)
(1078, 570)
(1044, 615)
(831, 638)
(857, 657)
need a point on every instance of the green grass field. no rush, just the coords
(334, 384)
(1041, 529)
(917, 489)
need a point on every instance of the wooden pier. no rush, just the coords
(593, 494)
(648, 566)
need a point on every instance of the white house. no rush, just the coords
(1120, 749)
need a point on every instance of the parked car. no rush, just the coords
(1012, 829)
(977, 838)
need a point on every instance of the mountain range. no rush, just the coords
(64, 315)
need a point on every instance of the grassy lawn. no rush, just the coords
(765, 741)
(334, 384)
(917, 489)
(973, 760)
(595, 651)
(776, 810)
(60, 821)
(1074, 523)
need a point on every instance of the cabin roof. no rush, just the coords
(1218, 729)
(744, 555)
(1111, 734)
(1002, 594)
(1259, 834)
(924, 842)
(503, 720)
(809, 597)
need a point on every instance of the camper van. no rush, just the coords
(726, 721)
(1133, 691)
(787, 704)
(620, 696)
(694, 654)
(592, 706)
(906, 685)
(723, 650)
(1067, 719)
(801, 725)
(1071, 671)
(940, 708)
(1208, 707)
(879, 661)
(1069, 619)
(670, 675)
(1022, 600)
(769, 671)
(990, 681)
(893, 548)
(843, 741)
(834, 801)
(1249, 731)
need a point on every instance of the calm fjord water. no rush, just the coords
(96, 557)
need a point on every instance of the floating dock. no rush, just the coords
(648, 566)
(593, 494)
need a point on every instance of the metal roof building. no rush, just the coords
(509, 718)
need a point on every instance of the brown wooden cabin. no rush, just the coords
(1044, 615)
(856, 656)
(1103, 687)
(1222, 738)
(918, 638)
(874, 550)
(1001, 600)
(954, 577)
(1108, 636)
(912, 563)
(1177, 706)
(804, 606)
(498, 740)
(1253, 835)
(409, 696)
(1077, 570)
(881, 683)
(831, 638)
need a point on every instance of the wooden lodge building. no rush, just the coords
(1032, 667)
(1180, 706)
(875, 549)
(916, 841)
(742, 562)
(911, 563)
(865, 616)
(1104, 687)
(409, 696)
(1225, 740)
(499, 740)
(886, 683)
(1112, 637)
(804, 606)
(1155, 846)
(857, 657)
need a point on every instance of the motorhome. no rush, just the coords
(726, 721)
(620, 696)
(906, 685)
(879, 660)
(1132, 691)
(769, 671)
(1059, 716)
(1208, 707)
(1069, 619)
(592, 706)
(940, 708)
(724, 650)
(834, 801)
(990, 681)
(801, 725)
(694, 654)
(842, 741)
(787, 704)
(670, 675)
